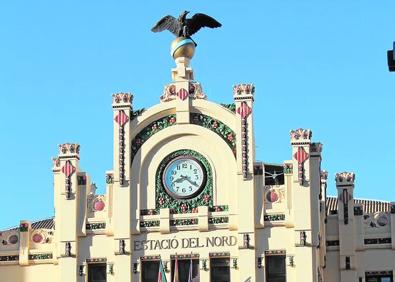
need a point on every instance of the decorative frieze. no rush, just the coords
(219, 254)
(150, 258)
(218, 220)
(181, 222)
(149, 223)
(95, 226)
(274, 217)
(224, 131)
(42, 256)
(9, 258)
(244, 142)
(231, 107)
(218, 208)
(96, 260)
(149, 212)
(185, 256)
(150, 130)
(374, 241)
(275, 252)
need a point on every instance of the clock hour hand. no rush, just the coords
(180, 179)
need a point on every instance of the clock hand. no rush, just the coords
(180, 179)
(190, 181)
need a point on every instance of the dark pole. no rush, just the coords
(391, 58)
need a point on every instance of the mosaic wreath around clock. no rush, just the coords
(184, 182)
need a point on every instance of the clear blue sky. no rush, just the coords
(316, 64)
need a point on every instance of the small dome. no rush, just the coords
(182, 47)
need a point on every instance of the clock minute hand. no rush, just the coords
(190, 181)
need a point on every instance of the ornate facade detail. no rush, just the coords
(164, 200)
(345, 178)
(231, 107)
(373, 241)
(122, 118)
(40, 256)
(122, 98)
(196, 91)
(288, 168)
(274, 195)
(181, 222)
(244, 147)
(9, 258)
(149, 223)
(258, 169)
(169, 93)
(69, 149)
(301, 156)
(110, 178)
(68, 170)
(225, 132)
(358, 210)
(150, 130)
(300, 134)
(218, 220)
(377, 220)
(95, 226)
(23, 227)
(274, 217)
(55, 164)
(324, 175)
(98, 203)
(243, 89)
(316, 147)
(42, 236)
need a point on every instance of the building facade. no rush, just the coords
(186, 192)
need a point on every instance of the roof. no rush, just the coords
(368, 206)
(48, 223)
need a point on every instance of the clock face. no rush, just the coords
(183, 177)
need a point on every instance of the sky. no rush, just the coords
(315, 64)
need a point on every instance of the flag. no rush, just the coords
(190, 271)
(161, 273)
(175, 277)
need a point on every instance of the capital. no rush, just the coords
(243, 91)
(324, 175)
(69, 149)
(122, 100)
(345, 178)
(300, 135)
(316, 148)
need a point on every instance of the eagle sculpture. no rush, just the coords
(183, 27)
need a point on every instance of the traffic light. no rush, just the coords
(391, 59)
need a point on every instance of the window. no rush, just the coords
(183, 269)
(97, 272)
(219, 269)
(275, 268)
(149, 271)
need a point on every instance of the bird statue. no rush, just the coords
(183, 27)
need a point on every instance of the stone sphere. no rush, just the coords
(182, 47)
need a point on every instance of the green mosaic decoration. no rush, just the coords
(274, 217)
(95, 226)
(150, 130)
(218, 220)
(40, 256)
(9, 258)
(204, 198)
(189, 221)
(227, 134)
(231, 107)
(150, 223)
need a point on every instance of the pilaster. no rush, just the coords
(68, 197)
(393, 225)
(243, 95)
(305, 213)
(121, 178)
(345, 191)
(24, 235)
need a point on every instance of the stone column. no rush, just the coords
(66, 214)
(122, 211)
(345, 191)
(243, 95)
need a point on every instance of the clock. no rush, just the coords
(184, 177)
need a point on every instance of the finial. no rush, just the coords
(345, 178)
(68, 149)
